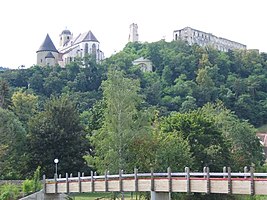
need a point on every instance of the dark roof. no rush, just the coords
(90, 37)
(49, 55)
(67, 32)
(47, 45)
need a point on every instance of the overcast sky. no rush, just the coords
(25, 23)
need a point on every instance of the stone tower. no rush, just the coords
(133, 36)
(65, 37)
(47, 54)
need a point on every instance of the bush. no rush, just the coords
(9, 192)
(27, 186)
(32, 185)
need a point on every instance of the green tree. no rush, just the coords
(244, 146)
(121, 123)
(56, 133)
(12, 145)
(24, 105)
(207, 145)
(4, 90)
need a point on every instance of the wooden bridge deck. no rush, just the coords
(224, 183)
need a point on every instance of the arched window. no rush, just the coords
(176, 36)
(86, 48)
(94, 49)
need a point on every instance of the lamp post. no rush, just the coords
(56, 162)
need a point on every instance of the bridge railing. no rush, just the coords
(214, 182)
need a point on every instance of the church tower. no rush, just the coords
(133, 36)
(65, 37)
(47, 54)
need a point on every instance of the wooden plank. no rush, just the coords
(99, 186)
(74, 187)
(144, 185)
(128, 185)
(179, 185)
(85, 186)
(219, 186)
(260, 187)
(50, 188)
(198, 186)
(113, 185)
(241, 187)
(61, 187)
(161, 185)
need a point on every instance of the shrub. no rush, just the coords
(9, 192)
(27, 186)
(32, 185)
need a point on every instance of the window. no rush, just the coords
(41, 60)
(86, 48)
(176, 37)
(68, 37)
(94, 49)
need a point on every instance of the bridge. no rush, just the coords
(162, 184)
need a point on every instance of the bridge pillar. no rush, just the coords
(159, 195)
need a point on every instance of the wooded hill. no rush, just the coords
(195, 100)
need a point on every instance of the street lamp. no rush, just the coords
(56, 162)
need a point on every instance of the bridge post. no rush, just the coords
(229, 181)
(159, 195)
(44, 184)
(136, 179)
(188, 185)
(106, 180)
(252, 184)
(245, 171)
(208, 179)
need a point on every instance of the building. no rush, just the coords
(144, 64)
(133, 36)
(193, 36)
(69, 48)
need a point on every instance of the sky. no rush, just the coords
(25, 23)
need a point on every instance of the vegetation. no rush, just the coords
(9, 192)
(32, 185)
(112, 115)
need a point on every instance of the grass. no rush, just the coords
(100, 196)
(263, 128)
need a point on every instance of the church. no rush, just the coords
(69, 48)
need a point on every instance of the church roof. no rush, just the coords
(47, 45)
(142, 59)
(49, 55)
(85, 37)
(66, 31)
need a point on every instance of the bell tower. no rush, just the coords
(65, 37)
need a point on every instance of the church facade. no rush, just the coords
(69, 48)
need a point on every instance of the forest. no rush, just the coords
(199, 107)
